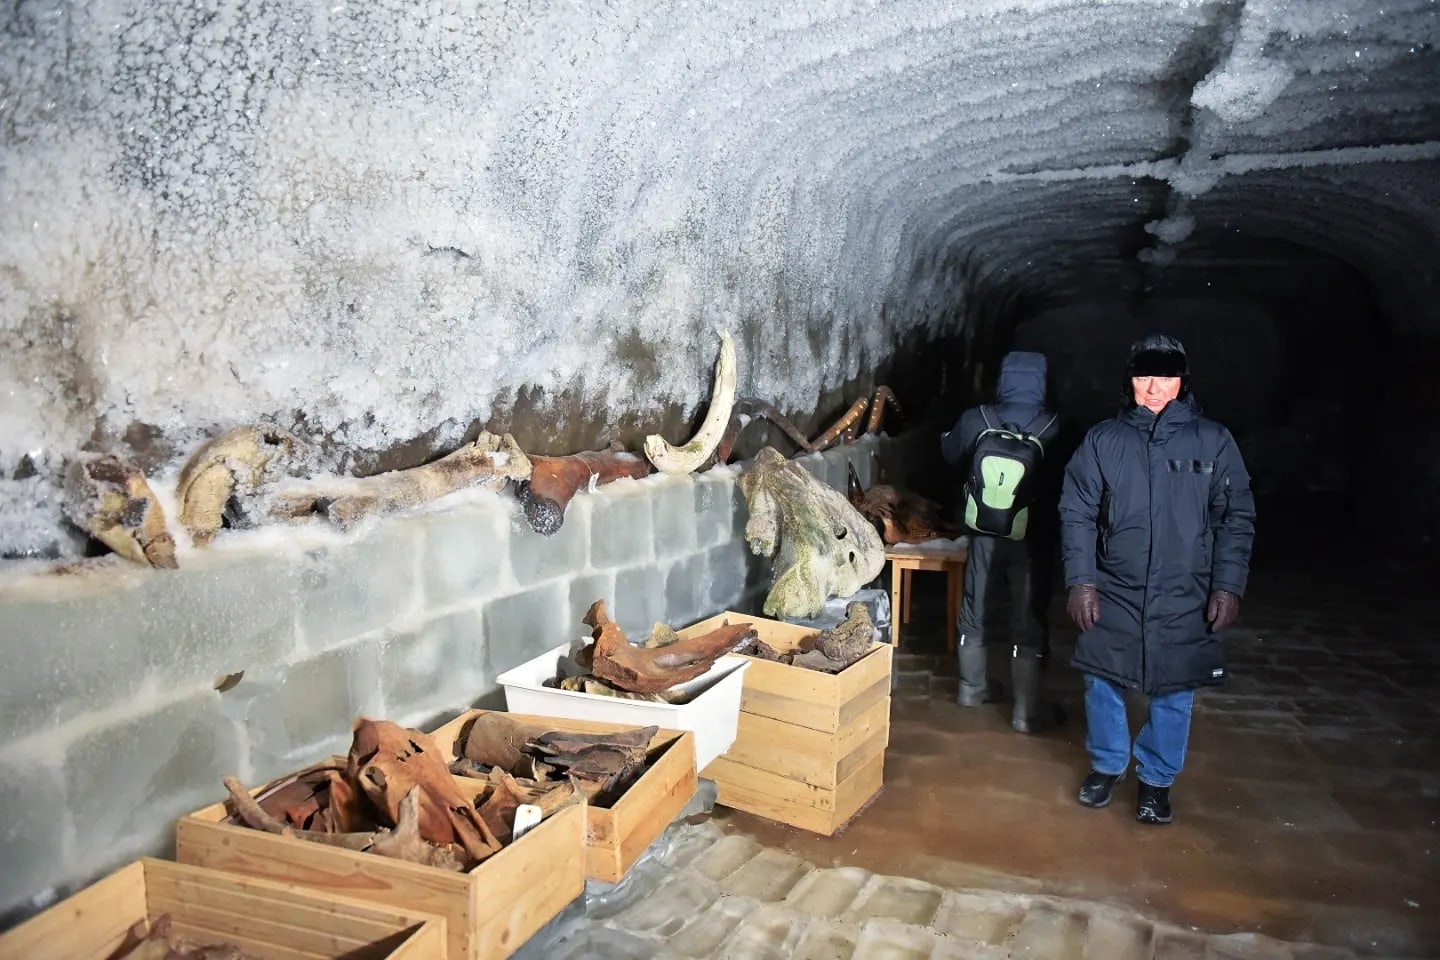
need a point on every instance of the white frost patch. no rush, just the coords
(1172, 229)
(1243, 91)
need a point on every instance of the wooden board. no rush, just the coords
(615, 836)
(801, 805)
(795, 695)
(809, 756)
(489, 912)
(272, 921)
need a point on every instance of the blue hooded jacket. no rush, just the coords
(1020, 401)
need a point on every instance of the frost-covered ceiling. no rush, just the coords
(387, 218)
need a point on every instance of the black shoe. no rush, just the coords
(1153, 805)
(1096, 790)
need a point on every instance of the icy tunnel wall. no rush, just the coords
(113, 723)
(380, 222)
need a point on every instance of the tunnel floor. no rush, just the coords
(1309, 808)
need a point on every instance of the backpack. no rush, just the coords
(1003, 463)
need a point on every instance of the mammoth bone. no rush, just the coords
(688, 458)
(554, 481)
(822, 546)
(111, 500)
(218, 481)
(490, 462)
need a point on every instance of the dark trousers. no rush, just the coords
(994, 566)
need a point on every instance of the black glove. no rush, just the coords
(1223, 610)
(1083, 606)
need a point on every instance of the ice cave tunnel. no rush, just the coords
(384, 226)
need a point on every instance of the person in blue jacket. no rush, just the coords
(997, 563)
(1156, 526)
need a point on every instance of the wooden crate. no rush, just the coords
(810, 750)
(489, 912)
(272, 921)
(615, 837)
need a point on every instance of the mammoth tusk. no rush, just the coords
(689, 457)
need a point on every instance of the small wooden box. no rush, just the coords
(272, 921)
(489, 912)
(615, 836)
(810, 750)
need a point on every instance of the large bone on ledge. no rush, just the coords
(111, 500)
(225, 472)
(554, 481)
(822, 546)
(656, 669)
(489, 463)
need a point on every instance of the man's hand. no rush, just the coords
(1223, 610)
(1083, 606)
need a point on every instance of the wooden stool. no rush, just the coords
(906, 559)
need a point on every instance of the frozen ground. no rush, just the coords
(703, 893)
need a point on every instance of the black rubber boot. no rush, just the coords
(1027, 674)
(1031, 713)
(976, 687)
(1097, 788)
(1153, 805)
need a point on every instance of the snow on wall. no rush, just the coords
(388, 217)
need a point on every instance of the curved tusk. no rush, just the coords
(689, 457)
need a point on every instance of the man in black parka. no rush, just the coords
(1156, 520)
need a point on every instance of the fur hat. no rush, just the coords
(1158, 355)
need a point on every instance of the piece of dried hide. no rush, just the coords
(495, 740)
(900, 515)
(755, 647)
(601, 766)
(387, 761)
(654, 670)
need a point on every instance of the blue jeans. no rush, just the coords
(1160, 747)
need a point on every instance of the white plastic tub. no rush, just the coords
(713, 713)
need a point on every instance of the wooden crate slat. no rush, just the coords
(95, 919)
(165, 894)
(801, 753)
(220, 924)
(273, 921)
(503, 900)
(856, 791)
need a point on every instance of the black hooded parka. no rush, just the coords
(1156, 511)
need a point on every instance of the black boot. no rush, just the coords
(976, 687)
(1097, 788)
(1030, 713)
(1153, 805)
(1026, 674)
